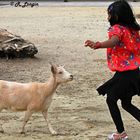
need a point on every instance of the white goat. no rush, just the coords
(32, 97)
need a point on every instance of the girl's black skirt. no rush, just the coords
(122, 85)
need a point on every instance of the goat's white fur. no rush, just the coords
(32, 97)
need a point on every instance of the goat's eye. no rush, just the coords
(60, 72)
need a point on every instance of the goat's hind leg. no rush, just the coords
(1, 129)
(28, 114)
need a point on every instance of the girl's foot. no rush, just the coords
(118, 136)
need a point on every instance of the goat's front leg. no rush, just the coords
(28, 114)
(45, 114)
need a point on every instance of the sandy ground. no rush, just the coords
(77, 111)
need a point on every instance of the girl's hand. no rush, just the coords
(89, 43)
(93, 45)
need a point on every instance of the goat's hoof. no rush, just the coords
(22, 132)
(1, 131)
(54, 133)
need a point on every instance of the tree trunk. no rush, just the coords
(14, 46)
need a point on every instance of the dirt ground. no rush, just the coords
(77, 111)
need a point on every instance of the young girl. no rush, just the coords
(123, 57)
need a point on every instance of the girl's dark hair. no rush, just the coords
(121, 13)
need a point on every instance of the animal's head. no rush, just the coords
(60, 74)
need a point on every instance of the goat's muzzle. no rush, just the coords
(71, 77)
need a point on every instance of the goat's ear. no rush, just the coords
(53, 69)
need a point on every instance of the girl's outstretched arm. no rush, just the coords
(110, 43)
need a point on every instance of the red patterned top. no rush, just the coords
(126, 54)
